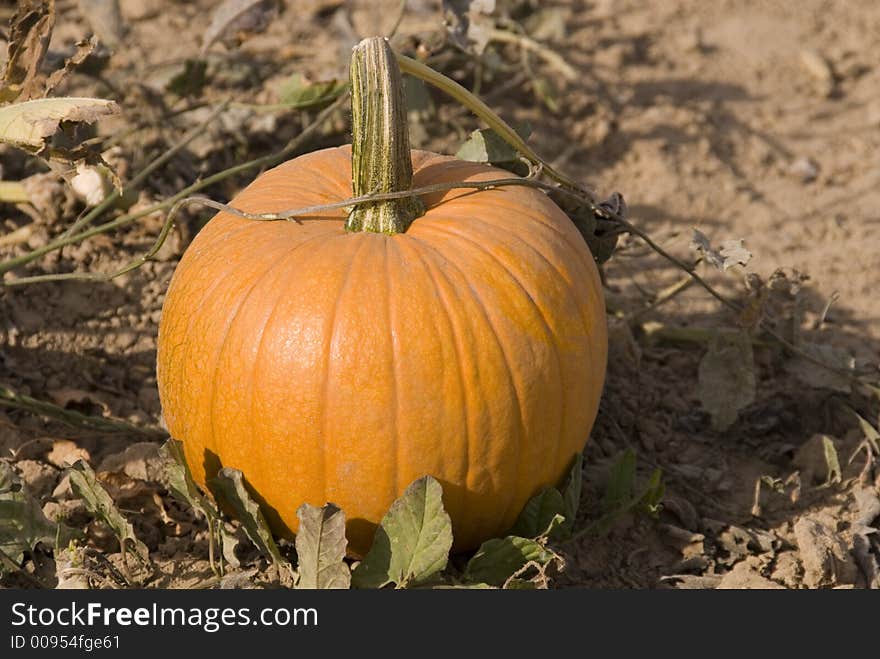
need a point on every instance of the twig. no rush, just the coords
(657, 331)
(20, 235)
(262, 161)
(292, 214)
(401, 11)
(662, 297)
(10, 398)
(552, 58)
(13, 192)
(496, 123)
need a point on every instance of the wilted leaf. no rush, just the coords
(230, 542)
(731, 252)
(542, 514)
(237, 18)
(98, 502)
(28, 125)
(22, 522)
(598, 227)
(229, 485)
(822, 378)
(413, 540)
(727, 377)
(297, 92)
(83, 50)
(179, 481)
(320, 548)
(29, 34)
(500, 558)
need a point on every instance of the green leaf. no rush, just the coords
(413, 541)
(229, 485)
(98, 502)
(547, 93)
(543, 513)
(28, 125)
(832, 461)
(621, 482)
(487, 146)
(500, 558)
(620, 495)
(320, 548)
(22, 522)
(653, 493)
(571, 496)
(191, 80)
(869, 431)
(296, 92)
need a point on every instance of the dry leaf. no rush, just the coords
(83, 50)
(65, 452)
(28, 125)
(77, 398)
(822, 378)
(825, 557)
(727, 377)
(142, 461)
(29, 35)
(731, 252)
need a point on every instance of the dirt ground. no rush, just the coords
(747, 119)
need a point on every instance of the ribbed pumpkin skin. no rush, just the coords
(335, 366)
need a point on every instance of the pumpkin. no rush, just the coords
(337, 359)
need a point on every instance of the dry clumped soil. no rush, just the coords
(744, 119)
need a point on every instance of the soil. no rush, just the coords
(745, 119)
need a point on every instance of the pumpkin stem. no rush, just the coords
(380, 154)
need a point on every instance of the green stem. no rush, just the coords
(484, 112)
(380, 155)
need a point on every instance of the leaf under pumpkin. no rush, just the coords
(412, 542)
(229, 485)
(497, 560)
(320, 548)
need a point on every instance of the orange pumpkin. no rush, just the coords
(336, 365)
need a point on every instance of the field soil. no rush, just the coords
(745, 119)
